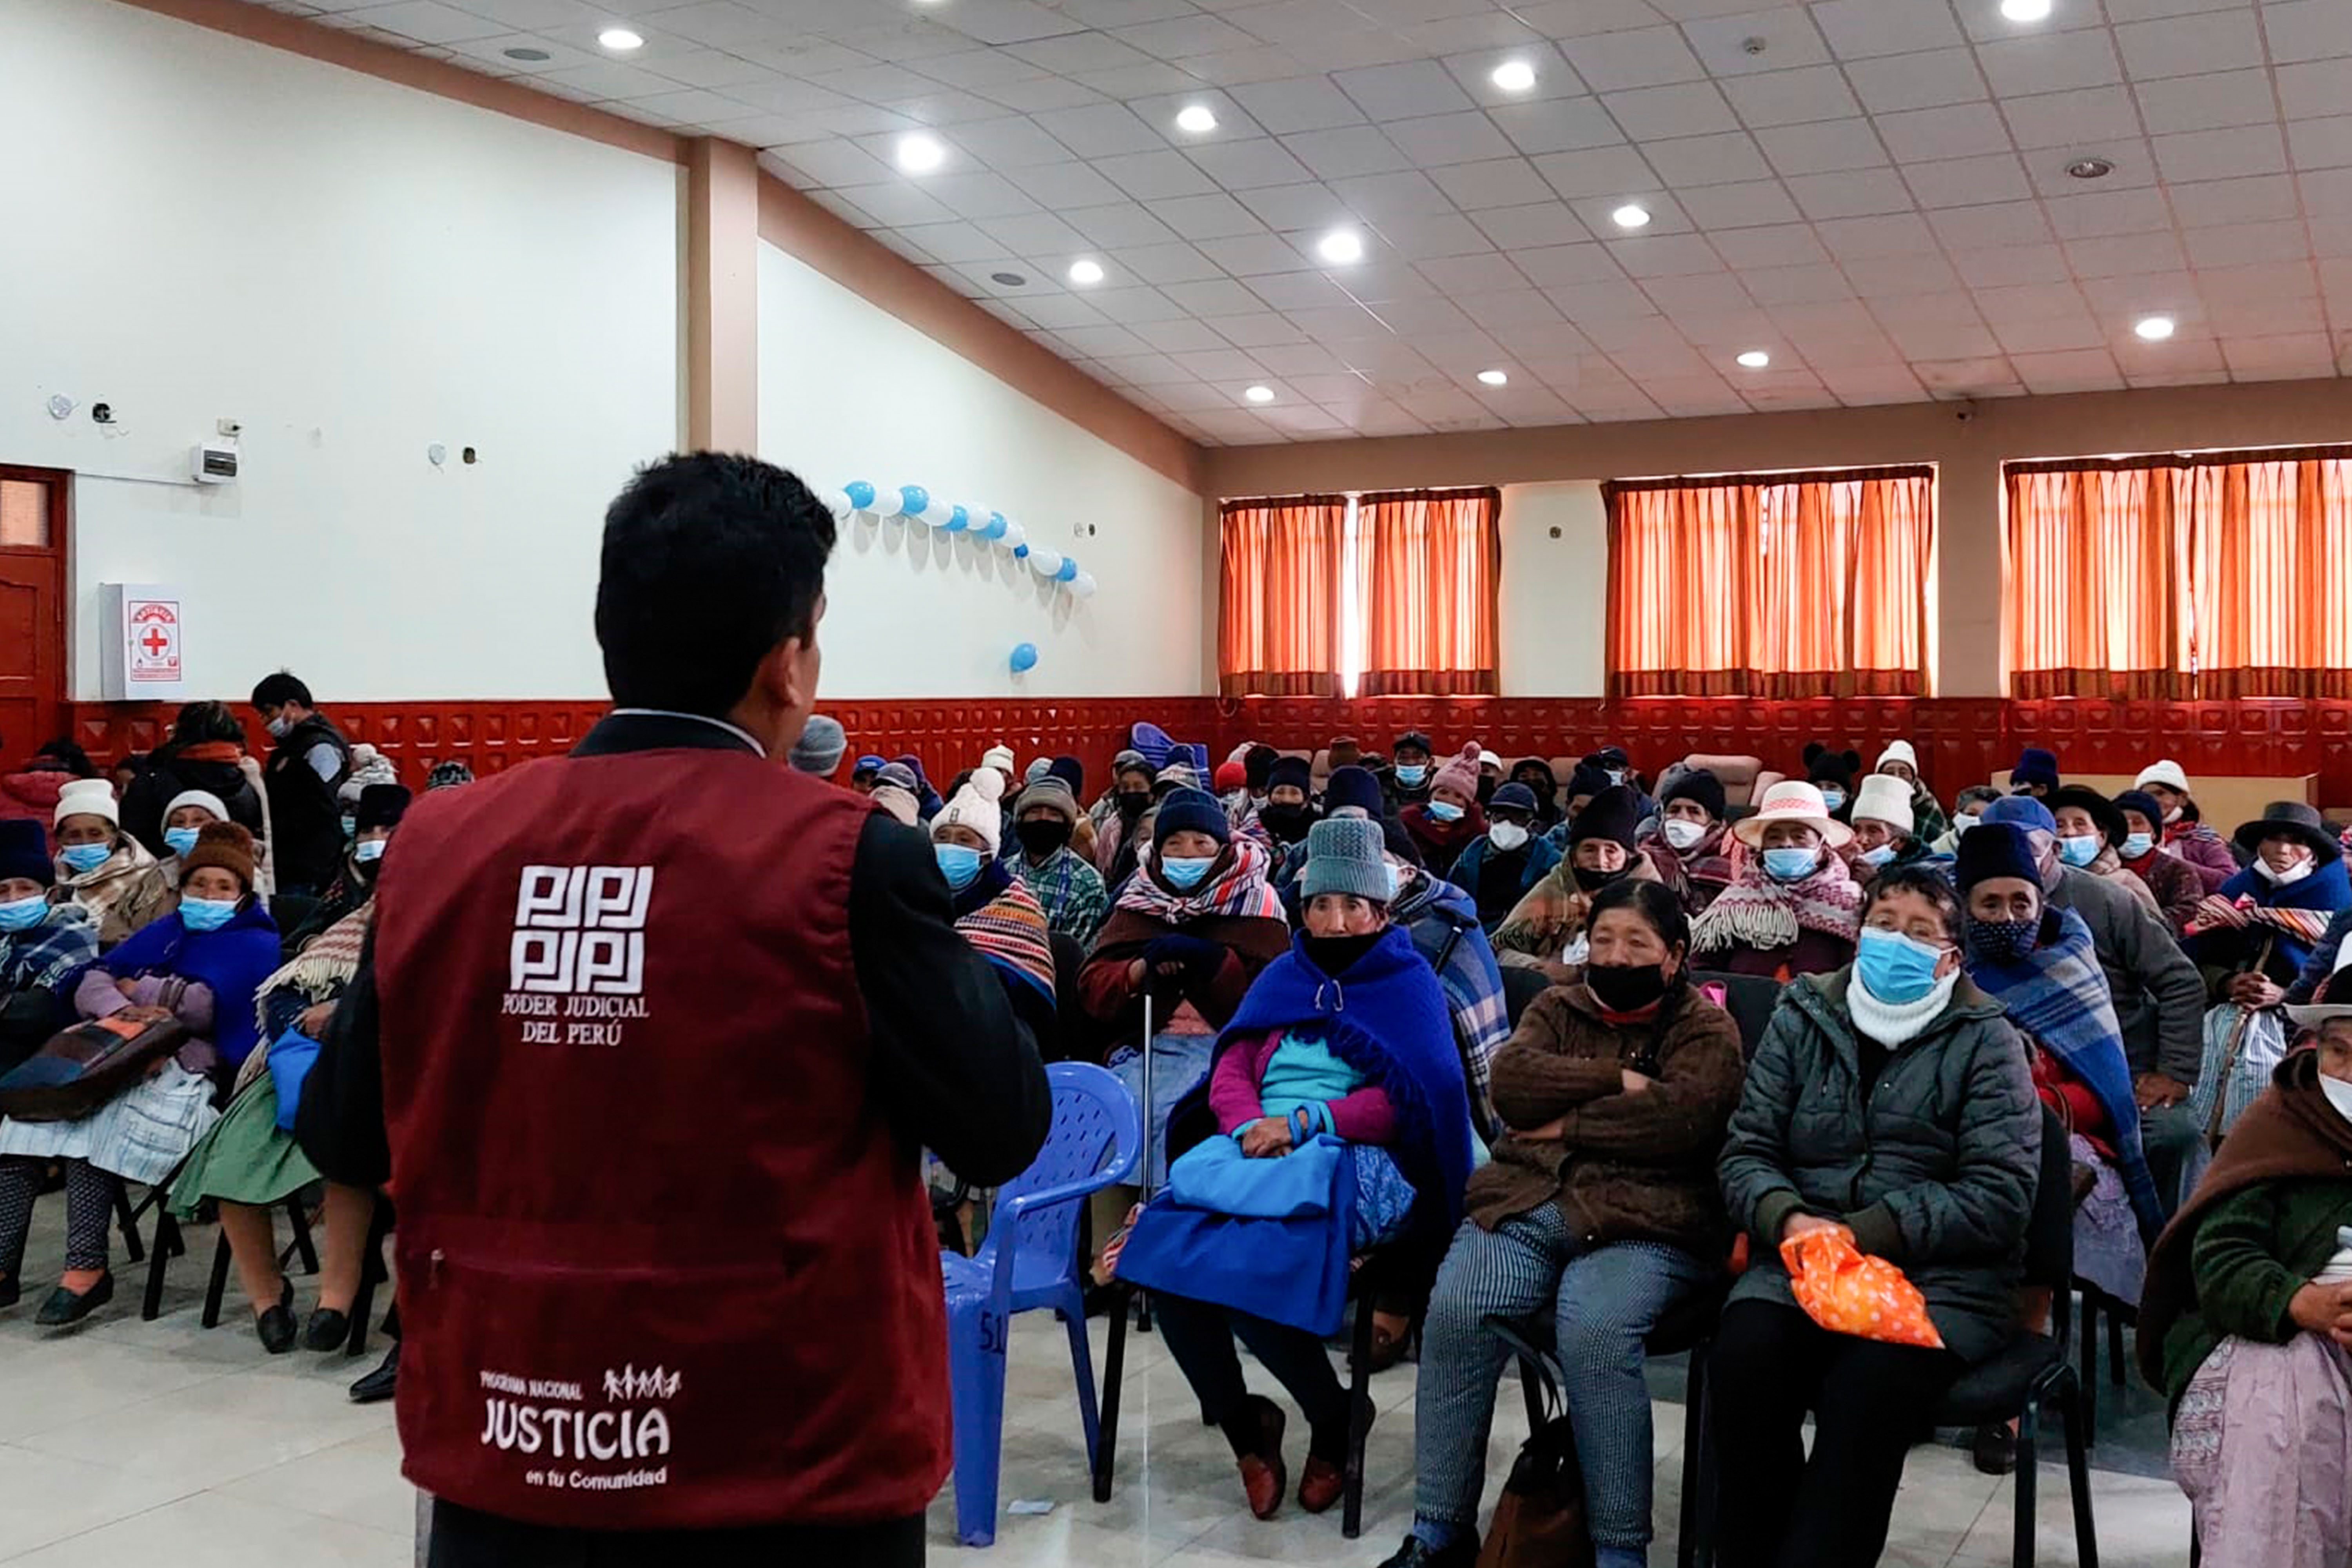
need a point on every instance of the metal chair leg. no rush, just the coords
(2090, 1348)
(159, 1257)
(2115, 1370)
(1360, 1405)
(1695, 1536)
(218, 1288)
(303, 1245)
(126, 1219)
(2078, 1479)
(1114, 1371)
(2028, 1469)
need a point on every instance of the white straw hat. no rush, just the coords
(1792, 800)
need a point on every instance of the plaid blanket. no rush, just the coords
(1473, 983)
(50, 956)
(1240, 889)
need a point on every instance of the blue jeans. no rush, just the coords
(1605, 1301)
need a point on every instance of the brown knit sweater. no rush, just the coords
(1629, 1167)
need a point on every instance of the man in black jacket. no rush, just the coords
(309, 763)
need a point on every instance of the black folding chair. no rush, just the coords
(297, 1215)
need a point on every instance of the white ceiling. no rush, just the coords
(1877, 195)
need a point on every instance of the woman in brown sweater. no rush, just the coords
(1601, 1207)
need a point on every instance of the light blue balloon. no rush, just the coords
(1069, 571)
(957, 521)
(860, 493)
(915, 499)
(994, 527)
(1021, 553)
(1024, 657)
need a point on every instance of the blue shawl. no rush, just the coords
(2058, 996)
(2328, 886)
(232, 962)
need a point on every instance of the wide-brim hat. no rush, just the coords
(2318, 1012)
(2291, 819)
(2104, 812)
(1792, 800)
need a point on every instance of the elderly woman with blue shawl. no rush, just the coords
(1340, 1122)
(201, 964)
(2038, 962)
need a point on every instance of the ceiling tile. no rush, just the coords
(1448, 139)
(2311, 89)
(1559, 265)
(1408, 92)
(1101, 129)
(1009, 143)
(1791, 97)
(2307, 29)
(1064, 185)
(1306, 104)
(1954, 130)
(1460, 276)
(1706, 159)
(1118, 222)
(1243, 166)
(2240, 244)
(1297, 206)
(1215, 297)
(2007, 223)
(1856, 194)
(1859, 30)
(1641, 57)
(1723, 42)
(1213, 217)
(1613, 172)
(1344, 151)
(2074, 118)
(1527, 227)
(1968, 182)
(1821, 149)
(1904, 234)
(2249, 200)
(1917, 81)
(1685, 109)
(2185, 46)
(1148, 176)
(2121, 254)
(2049, 62)
(2320, 144)
(1782, 244)
(2216, 155)
(1738, 207)
(1508, 181)
(1558, 126)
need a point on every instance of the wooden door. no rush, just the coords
(32, 609)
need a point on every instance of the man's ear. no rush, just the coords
(778, 676)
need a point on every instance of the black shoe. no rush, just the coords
(276, 1326)
(377, 1385)
(1995, 1448)
(64, 1307)
(328, 1330)
(1418, 1553)
(10, 1294)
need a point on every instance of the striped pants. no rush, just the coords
(1605, 1301)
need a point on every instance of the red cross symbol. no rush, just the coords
(155, 642)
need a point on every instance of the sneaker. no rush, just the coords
(64, 1307)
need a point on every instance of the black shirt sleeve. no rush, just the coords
(340, 1121)
(959, 1072)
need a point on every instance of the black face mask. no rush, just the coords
(1593, 881)
(1042, 835)
(1334, 956)
(1626, 987)
(1287, 822)
(1131, 803)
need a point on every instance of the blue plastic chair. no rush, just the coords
(1031, 1260)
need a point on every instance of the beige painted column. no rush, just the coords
(722, 297)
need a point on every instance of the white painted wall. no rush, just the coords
(200, 227)
(1555, 595)
(847, 391)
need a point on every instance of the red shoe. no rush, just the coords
(1320, 1484)
(1263, 1476)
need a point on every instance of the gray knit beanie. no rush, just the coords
(1053, 795)
(1347, 854)
(821, 747)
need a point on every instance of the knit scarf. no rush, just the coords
(1895, 1024)
(1011, 931)
(1553, 913)
(1763, 914)
(2297, 914)
(119, 893)
(1238, 886)
(1704, 861)
(320, 973)
(2057, 995)
(1419, 822)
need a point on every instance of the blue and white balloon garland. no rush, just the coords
(916, 504)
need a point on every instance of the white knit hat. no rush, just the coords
(1884, 798)
(974, 806)
(1792, 800)
(1897, 752)
(88, 798)
(203, 797)
(2164, 772)
(999, 756)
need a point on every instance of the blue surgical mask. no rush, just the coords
(1183, 872)
(1894, 967)
(1833, 798)
(22, 914)
(1878, 857)
(207, 914)
(2080, 848)
(2137, 844)
(350, 827)
(179, 840)
(371, 850)
(1445, 811)
(1963, 822)
(82, 857)
(1410, 774)
(958, 863)
(1790, 864)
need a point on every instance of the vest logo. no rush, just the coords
(580, 929)
(628, 1382)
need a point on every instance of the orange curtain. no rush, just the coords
(1776, 585)
(2093, 610)
(2268, 575)
(1278, 611)
(1429, 570)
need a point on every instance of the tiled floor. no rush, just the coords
(127, 1444)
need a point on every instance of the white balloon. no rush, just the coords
(1014, 537)
(1045, 560)
(1083, 584)
(838, 504)
(888, 500)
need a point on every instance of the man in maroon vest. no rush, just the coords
(647, 1040)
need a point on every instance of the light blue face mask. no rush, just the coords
(207, 914)
(1833, 798)
(371, 850)
(1878, 857)
(1790, 864)
(179, 840)
(2137, 844)
(958, 863)
(1445, 811)
(1183, 872)
(1894, 967)
(2081, 849)
(22, 914)
(350, 827)
(1410, 774)
(82, 857)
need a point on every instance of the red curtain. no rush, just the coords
(1774, 585)
(1429, 570)
(1278, 608)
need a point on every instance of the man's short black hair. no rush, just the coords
(201, 722)
(279, 690)
(710, 560)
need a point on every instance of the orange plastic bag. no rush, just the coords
(1847, 1293)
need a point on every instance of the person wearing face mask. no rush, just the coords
(1690, 848)
(1795, 907)
(2246, 1323)
(1586, 781)
(2259, 930)
(378, 814)
(1900, 760)
(1338, 1067)
(1502, 868)
(1600, 1210)
(1116, 845)
(201, 964)
(104, 869)
(1536, 775)
(1547, 926)
(1889, 1100)
(307, 767)
(2186, 836)
(1410, 772)
(43, 946)
(1967, 809)
(1288, 812)
(2091, 833)
(184, 818)
(1451, 819)
(1617, 767)
(1832, 773)
(1884, 834)
(2174, 882)
(1069, 888)
(967, 840)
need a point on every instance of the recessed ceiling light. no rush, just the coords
(1196, 118)
(1341, 247)
(2090, 168)
(1754, 359)
(1494, 377)
(620, 40)
(1085, 272)
(528, 56)
(919, 155)
(2025, 10)
(1260, 394)
(1009, 279)
(2154, 329)
(1514, 75)
(1631, 215)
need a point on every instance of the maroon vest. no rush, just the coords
(663, 1262)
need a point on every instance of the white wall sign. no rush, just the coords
(146, 643)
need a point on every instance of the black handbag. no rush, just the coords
(1539, 1519)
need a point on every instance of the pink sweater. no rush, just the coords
(1362, 1116)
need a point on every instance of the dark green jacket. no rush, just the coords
(1937, 1174)
(2253, 1253)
